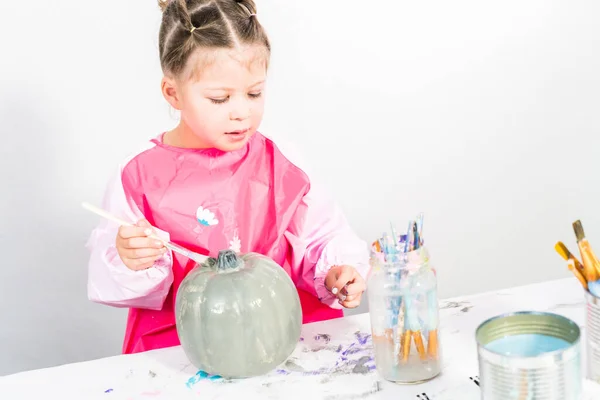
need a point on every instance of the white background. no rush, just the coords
(483, 115)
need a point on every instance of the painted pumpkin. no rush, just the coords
(238, 316)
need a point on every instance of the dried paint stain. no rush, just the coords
(456, 304)
(347, 362)
(200, 376)
(362, 338)
(323, 336)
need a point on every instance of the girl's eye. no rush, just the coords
(225, 99)
(220, 101)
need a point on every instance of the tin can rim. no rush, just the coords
(566, 320)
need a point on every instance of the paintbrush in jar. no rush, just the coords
(573, 263)
(567, 255)
(590, 263)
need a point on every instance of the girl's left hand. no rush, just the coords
(345, 282)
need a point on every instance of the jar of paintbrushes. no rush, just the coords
(403, 306)
(587, 272)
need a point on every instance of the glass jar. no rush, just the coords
(404, 311)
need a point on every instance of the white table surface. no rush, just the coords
(321, 367)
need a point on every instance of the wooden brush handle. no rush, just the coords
(577, 274)
(199, 258)
(114, 218)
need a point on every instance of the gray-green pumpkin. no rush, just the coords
(238, 316)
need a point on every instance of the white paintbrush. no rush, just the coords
(199, 258)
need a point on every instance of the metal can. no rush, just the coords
(529, 355)
(592, 337)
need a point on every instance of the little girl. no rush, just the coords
(213, 182)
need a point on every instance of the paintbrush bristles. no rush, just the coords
(578, 228)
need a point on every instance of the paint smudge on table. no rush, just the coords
(282, 372)
(463, 305)
(323, 336)
(319, 355)
(354, 358)
(200, 376)
(362, 338)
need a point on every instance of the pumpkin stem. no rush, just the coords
(227, 260)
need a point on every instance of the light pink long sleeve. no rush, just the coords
(321, 237)
(110, 282)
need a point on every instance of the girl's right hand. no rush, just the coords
(136, 249)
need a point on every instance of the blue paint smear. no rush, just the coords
(312, 373)
(362, 337)
(108, 391)
(345, 353)
(353, 350)
(201, 375)
(527, 345)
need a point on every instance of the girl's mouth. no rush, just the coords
(240, 132)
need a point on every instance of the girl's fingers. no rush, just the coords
(352, 303)
(141, 242)
(141, 229)
(345, 277)
(127, 232)
(354, 288)
(350, 298)
(338, 277)
(143, 253)
(345, 283)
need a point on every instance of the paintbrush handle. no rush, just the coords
(577, 274)
(578, 265)
(199, 258)
(114, 218)
(105, 214)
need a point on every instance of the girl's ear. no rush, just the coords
(170, 92)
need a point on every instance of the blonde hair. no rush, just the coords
(191, 25)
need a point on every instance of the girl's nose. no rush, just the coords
(240, 111)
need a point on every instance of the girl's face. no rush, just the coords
(222, 104)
